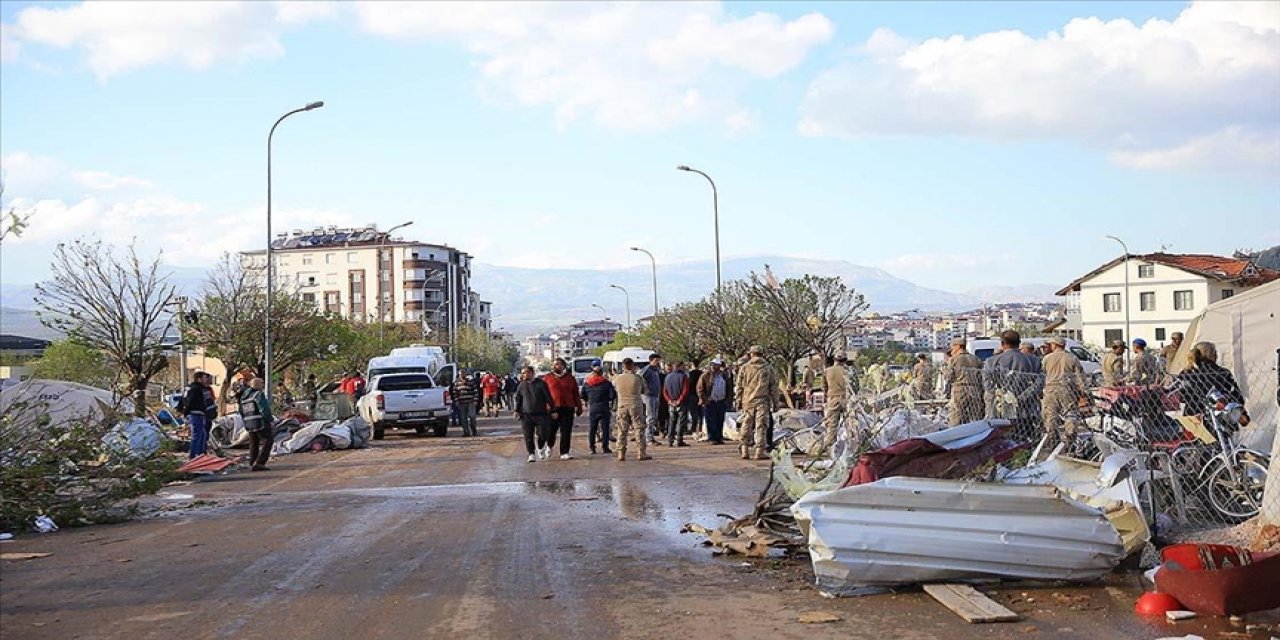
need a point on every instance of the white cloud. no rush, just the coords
(632, 66)
(303, 11)
(1137, 90)
(1230, 148)
(10, 48)
(21, 171)
(126, 35)
(102, 180)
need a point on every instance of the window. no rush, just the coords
(1160, 333)
(1111, 335)
(306, 260)
(1146, 271)
(1227, 293)
(1183, 300)
(311, 281)
(328, 258)
(1110, 302)
(1147, 301)
(309, 297)
(331, 278)
(352, 257)
(357, 298)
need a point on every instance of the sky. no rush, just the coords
(957, 145)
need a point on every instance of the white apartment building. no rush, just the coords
(1165, 292)
(364, 275)
(592, 334)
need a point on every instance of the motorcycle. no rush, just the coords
(1230, 476)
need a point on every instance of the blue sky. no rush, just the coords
(956, 145)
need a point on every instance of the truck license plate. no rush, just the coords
(418, 414)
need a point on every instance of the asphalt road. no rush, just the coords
(444, 538)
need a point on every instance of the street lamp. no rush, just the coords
(715, 205)
(382, 303)
(271, 280)
(655, 278)
(628, 295)
(603, 314)
(1127, 336)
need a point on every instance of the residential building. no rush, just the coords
(592, 334)
(364, 275)
(1165, 292)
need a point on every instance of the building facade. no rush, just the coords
(363, 275)
(1165, 292)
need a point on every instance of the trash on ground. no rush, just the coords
(325, 435)
(818, 617)
(44, 524)
(1175, 616)
(23, 556)
(908, 530)
(136, 437)
(206, 463)
(4, 537)
(1220, 580)
(177, 496)
(796, 481)
(1154, 603)
(968, 603)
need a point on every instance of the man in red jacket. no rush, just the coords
(566, 403)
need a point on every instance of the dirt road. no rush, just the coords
(443, 538)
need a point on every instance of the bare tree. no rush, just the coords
(113, 303)
(805, 315)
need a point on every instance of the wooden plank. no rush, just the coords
(968, 603)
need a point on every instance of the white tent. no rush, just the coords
(1246, 330)
(63, 401)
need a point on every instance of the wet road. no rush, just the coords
(442, 538)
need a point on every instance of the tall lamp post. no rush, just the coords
(1127, 336)
(382, 302)
(628, 295)
(715, 205)
(603, 314)
(655, 278)
(271, 279)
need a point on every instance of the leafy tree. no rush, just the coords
(475, 349)
(116, 304)
(74, 361)
(355, 343)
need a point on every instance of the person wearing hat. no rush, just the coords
(1143, 370)
(835, 389)
(1113, 365)
(714, 390)
(601, 398)
(922, 378)
(759, 394)
(1170, 351)
(1064, 388)
(962, 383)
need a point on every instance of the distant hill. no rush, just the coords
(1020, 293)
(529, 299)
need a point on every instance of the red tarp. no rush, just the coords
(921, 458)
(1220, 580)
(205, 463)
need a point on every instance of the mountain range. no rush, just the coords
(528, 300)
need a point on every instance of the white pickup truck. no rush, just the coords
(406, 400)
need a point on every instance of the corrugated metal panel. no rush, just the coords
(908, 530)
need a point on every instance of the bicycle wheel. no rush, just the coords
(1240, 498)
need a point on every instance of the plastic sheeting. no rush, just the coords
(829, 475)
(137, 437)
(352, 433)
(910, 530)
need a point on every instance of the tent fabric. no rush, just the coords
(64, 401)
(948, 454)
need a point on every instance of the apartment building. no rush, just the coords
(364, 275)
(1165, 292)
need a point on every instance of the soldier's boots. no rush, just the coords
(759, 454)
(622, 456)
(743, 452)
(644, 456)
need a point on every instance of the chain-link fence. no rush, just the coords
(1197, 445)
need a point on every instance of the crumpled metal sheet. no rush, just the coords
(904, 530)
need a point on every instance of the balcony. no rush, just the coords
(414, 305)
(415, 284)
(418, 263)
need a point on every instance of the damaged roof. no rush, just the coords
(1232, 270)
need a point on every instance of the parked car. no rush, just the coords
(406, 400)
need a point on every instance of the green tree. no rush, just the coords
(356, 343)
(74, 361)
(475, 349)
(117, 304)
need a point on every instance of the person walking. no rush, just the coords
(835, 388)
(565, 405)
(1113, 365)
(962, 383)
(1014, 382)
(676, 393)
(464, 398)
(491, 385)
(696, 424)
(601, 398)
(1064, 388)
(1144, 370)
(200, 407)
(922, 378)
(631, 390)
(652, 376)
(532, 404)
(509, 386)
(255, 410)
(714, 389)
(759, 395)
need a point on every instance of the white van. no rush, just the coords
(612, 360)
(986, 347)
(581, 366)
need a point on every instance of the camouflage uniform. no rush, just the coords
(1064, 385)
(962, 381)
(922, 380)
(631, 413)
(1112, 369)
(836, 389)
(1144, 369)
(758, 392)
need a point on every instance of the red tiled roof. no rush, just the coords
(1235, 270)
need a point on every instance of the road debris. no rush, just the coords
(968, 603)
(44, 524)
(1220, 580)
(818, 617)
(23, 556)
(1175, 616)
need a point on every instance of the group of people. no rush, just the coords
(199, 406)
(653, 404)
(473, 392)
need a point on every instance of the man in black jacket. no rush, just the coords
(533, 402)
(601, 398)
(200, 408)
